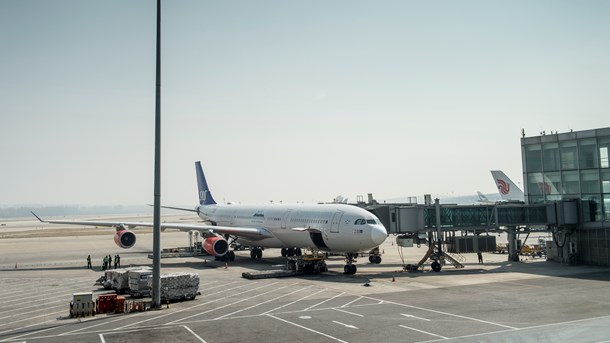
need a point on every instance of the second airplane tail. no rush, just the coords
(205, 196)
(506, 187)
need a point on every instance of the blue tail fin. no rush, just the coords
(205, 196)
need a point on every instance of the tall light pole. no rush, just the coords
(156, 275)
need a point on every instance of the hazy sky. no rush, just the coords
(289, 100)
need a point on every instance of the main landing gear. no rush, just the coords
(350, 268)
(256, 253)
(289, 252)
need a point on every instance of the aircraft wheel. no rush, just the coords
(346, 269)
(353, 269)
(253, 254)
(283, 252)
(436, 266)
(298, 252)
(290, 252)
(308, 269)
(231, 256)
(371, 259)
(259, 254)
(377, 259)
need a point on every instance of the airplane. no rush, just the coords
(507, 188)
(332, 228)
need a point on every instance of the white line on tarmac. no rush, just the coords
(99, 324)
(225, 305)
(194, 334)
(412, 316)
(20, 320)
(264, 302)
(525, 328)
(351, 302)
(446, 313)
(24, 327)
(42, 294)
(37, 310)
(320, 303)
(346, 325)
(102, 338)
(306, 328)
(422, 331)
(305, 297)
(198, 305)
(348, 312)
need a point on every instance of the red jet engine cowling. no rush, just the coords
(216, 246)
(125, 238)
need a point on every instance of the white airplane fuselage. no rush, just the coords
(325, 227)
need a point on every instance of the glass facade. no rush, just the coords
(569, 165)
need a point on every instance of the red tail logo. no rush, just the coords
(503, 187)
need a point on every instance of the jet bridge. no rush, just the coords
(413, 218)
(421, 225)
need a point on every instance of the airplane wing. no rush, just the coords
(253, 234)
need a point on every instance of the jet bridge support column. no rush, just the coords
(513, 252)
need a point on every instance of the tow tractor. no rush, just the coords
(313, 263)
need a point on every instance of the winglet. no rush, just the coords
(37, 217)
(205, 196)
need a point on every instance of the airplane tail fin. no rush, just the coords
(205, 196)
(506, 187)
(482, 197)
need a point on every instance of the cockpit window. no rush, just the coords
(371, 221)
(360, 221)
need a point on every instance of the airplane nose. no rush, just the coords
(378, 234)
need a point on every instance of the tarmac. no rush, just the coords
(528, 301)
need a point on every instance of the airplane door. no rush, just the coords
(334, 224)
(286, 219)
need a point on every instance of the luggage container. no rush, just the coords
(106, 303)
(82, 305)
(119, 305)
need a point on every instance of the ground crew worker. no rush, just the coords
(88, 261)
(105, 263)
(117, 261)
(109, 261)
(480, 256)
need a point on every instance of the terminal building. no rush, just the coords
(573, 165)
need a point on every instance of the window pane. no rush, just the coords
(533, 157)
(607, 206)
(603, 144)
(591, 207)
(587, 153)
(552, 183)
(589, 181)
(550, 156)
(568, 154)
(532, 184)
(605, 181)
(570, 182)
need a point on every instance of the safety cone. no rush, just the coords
(383, 251)
(393, 279)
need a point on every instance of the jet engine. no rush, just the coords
(216, 246)
(125, 238)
